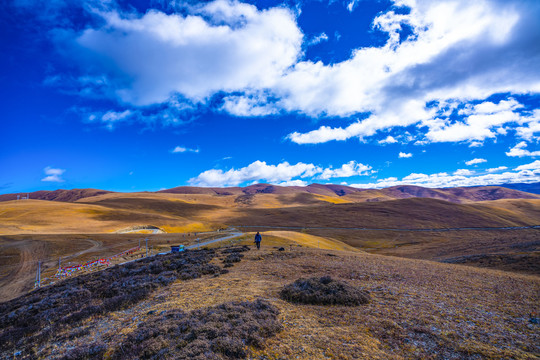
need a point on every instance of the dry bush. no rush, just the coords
(94, 350)
(36, 317)
(218, 332)
(233, 255)
(324, 291)
(233, 258)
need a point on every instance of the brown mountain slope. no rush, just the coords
(404, 213)
(459, 194)
(349, 194)
(57, 195)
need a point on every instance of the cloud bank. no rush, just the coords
(280, 174)
(521, 174)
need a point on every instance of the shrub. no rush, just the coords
(89, 351)
(233, 258)
(324, 291)
(218, 332)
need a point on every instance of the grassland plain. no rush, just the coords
(417, 309)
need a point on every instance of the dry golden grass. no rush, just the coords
(289, 239)
(50, 217)
(310, 241)
(39, 216)
(333, 199)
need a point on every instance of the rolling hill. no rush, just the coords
(533, 188)
(246, 194)
(457, 195)
(56, 195)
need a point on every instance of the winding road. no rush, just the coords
(231, 236)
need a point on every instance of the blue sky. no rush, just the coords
(127, 96)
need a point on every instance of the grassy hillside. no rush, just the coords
(416, 309)
(326, 191)
(406, 214)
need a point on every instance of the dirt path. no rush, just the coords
(96, 245)
(21, 278)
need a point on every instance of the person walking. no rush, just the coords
(258, 239)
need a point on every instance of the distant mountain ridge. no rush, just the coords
(533, 188)
(56, 195)
(455, 195)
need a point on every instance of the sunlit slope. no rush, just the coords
(38, 216)
(310, 241)
(404, 214)
(285, 239)
(257, 200)
(527, 210)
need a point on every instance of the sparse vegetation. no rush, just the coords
(217, 332)
(324, 291)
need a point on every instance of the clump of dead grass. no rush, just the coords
(324, 291)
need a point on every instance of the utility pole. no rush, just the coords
(38, 275)
(146, 246)
(139, 243)
(59, 262)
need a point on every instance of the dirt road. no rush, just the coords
(20, 277)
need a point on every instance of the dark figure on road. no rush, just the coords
(258, 239)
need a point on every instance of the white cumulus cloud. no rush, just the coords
(405, 155)
(522, 174)
(182, 149)
(464, 172)
(497, 169)
(455, 57)
(520, 151)
(251, 61)
(280, 174)
(475, 161)
(388, 140)
(349, 169)
(53, 174)
(535, 165)
(220, 46)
